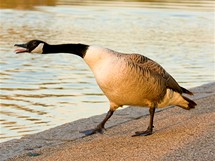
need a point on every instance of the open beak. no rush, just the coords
(22, 49)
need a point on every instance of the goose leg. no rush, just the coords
(150, 127)
(100, 128)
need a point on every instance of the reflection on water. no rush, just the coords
(23, 4)
(177, 4)
(43, 91)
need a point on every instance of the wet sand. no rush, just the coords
(178, 135)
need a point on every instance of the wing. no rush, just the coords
(155, 69)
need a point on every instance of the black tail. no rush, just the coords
(186, 91)
(191, 104)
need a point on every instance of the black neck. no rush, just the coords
(77, 49)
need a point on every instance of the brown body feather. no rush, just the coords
(133, 79)
(154, 67)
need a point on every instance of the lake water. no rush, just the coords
(42, 91)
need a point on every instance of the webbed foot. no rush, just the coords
(100, 128)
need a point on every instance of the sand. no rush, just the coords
(178, 135)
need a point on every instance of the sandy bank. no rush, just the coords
(178, 135)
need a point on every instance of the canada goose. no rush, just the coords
(126, 79)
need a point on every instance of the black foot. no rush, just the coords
(93, 131)
(142, 133)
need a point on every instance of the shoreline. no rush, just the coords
(67, 136)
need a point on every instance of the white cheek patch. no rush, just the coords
(38, 49)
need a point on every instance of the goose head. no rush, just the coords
(33, 46)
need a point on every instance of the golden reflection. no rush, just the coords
(21, 108)
(23, 4)
(30, 4)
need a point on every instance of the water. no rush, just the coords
(42, 91)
